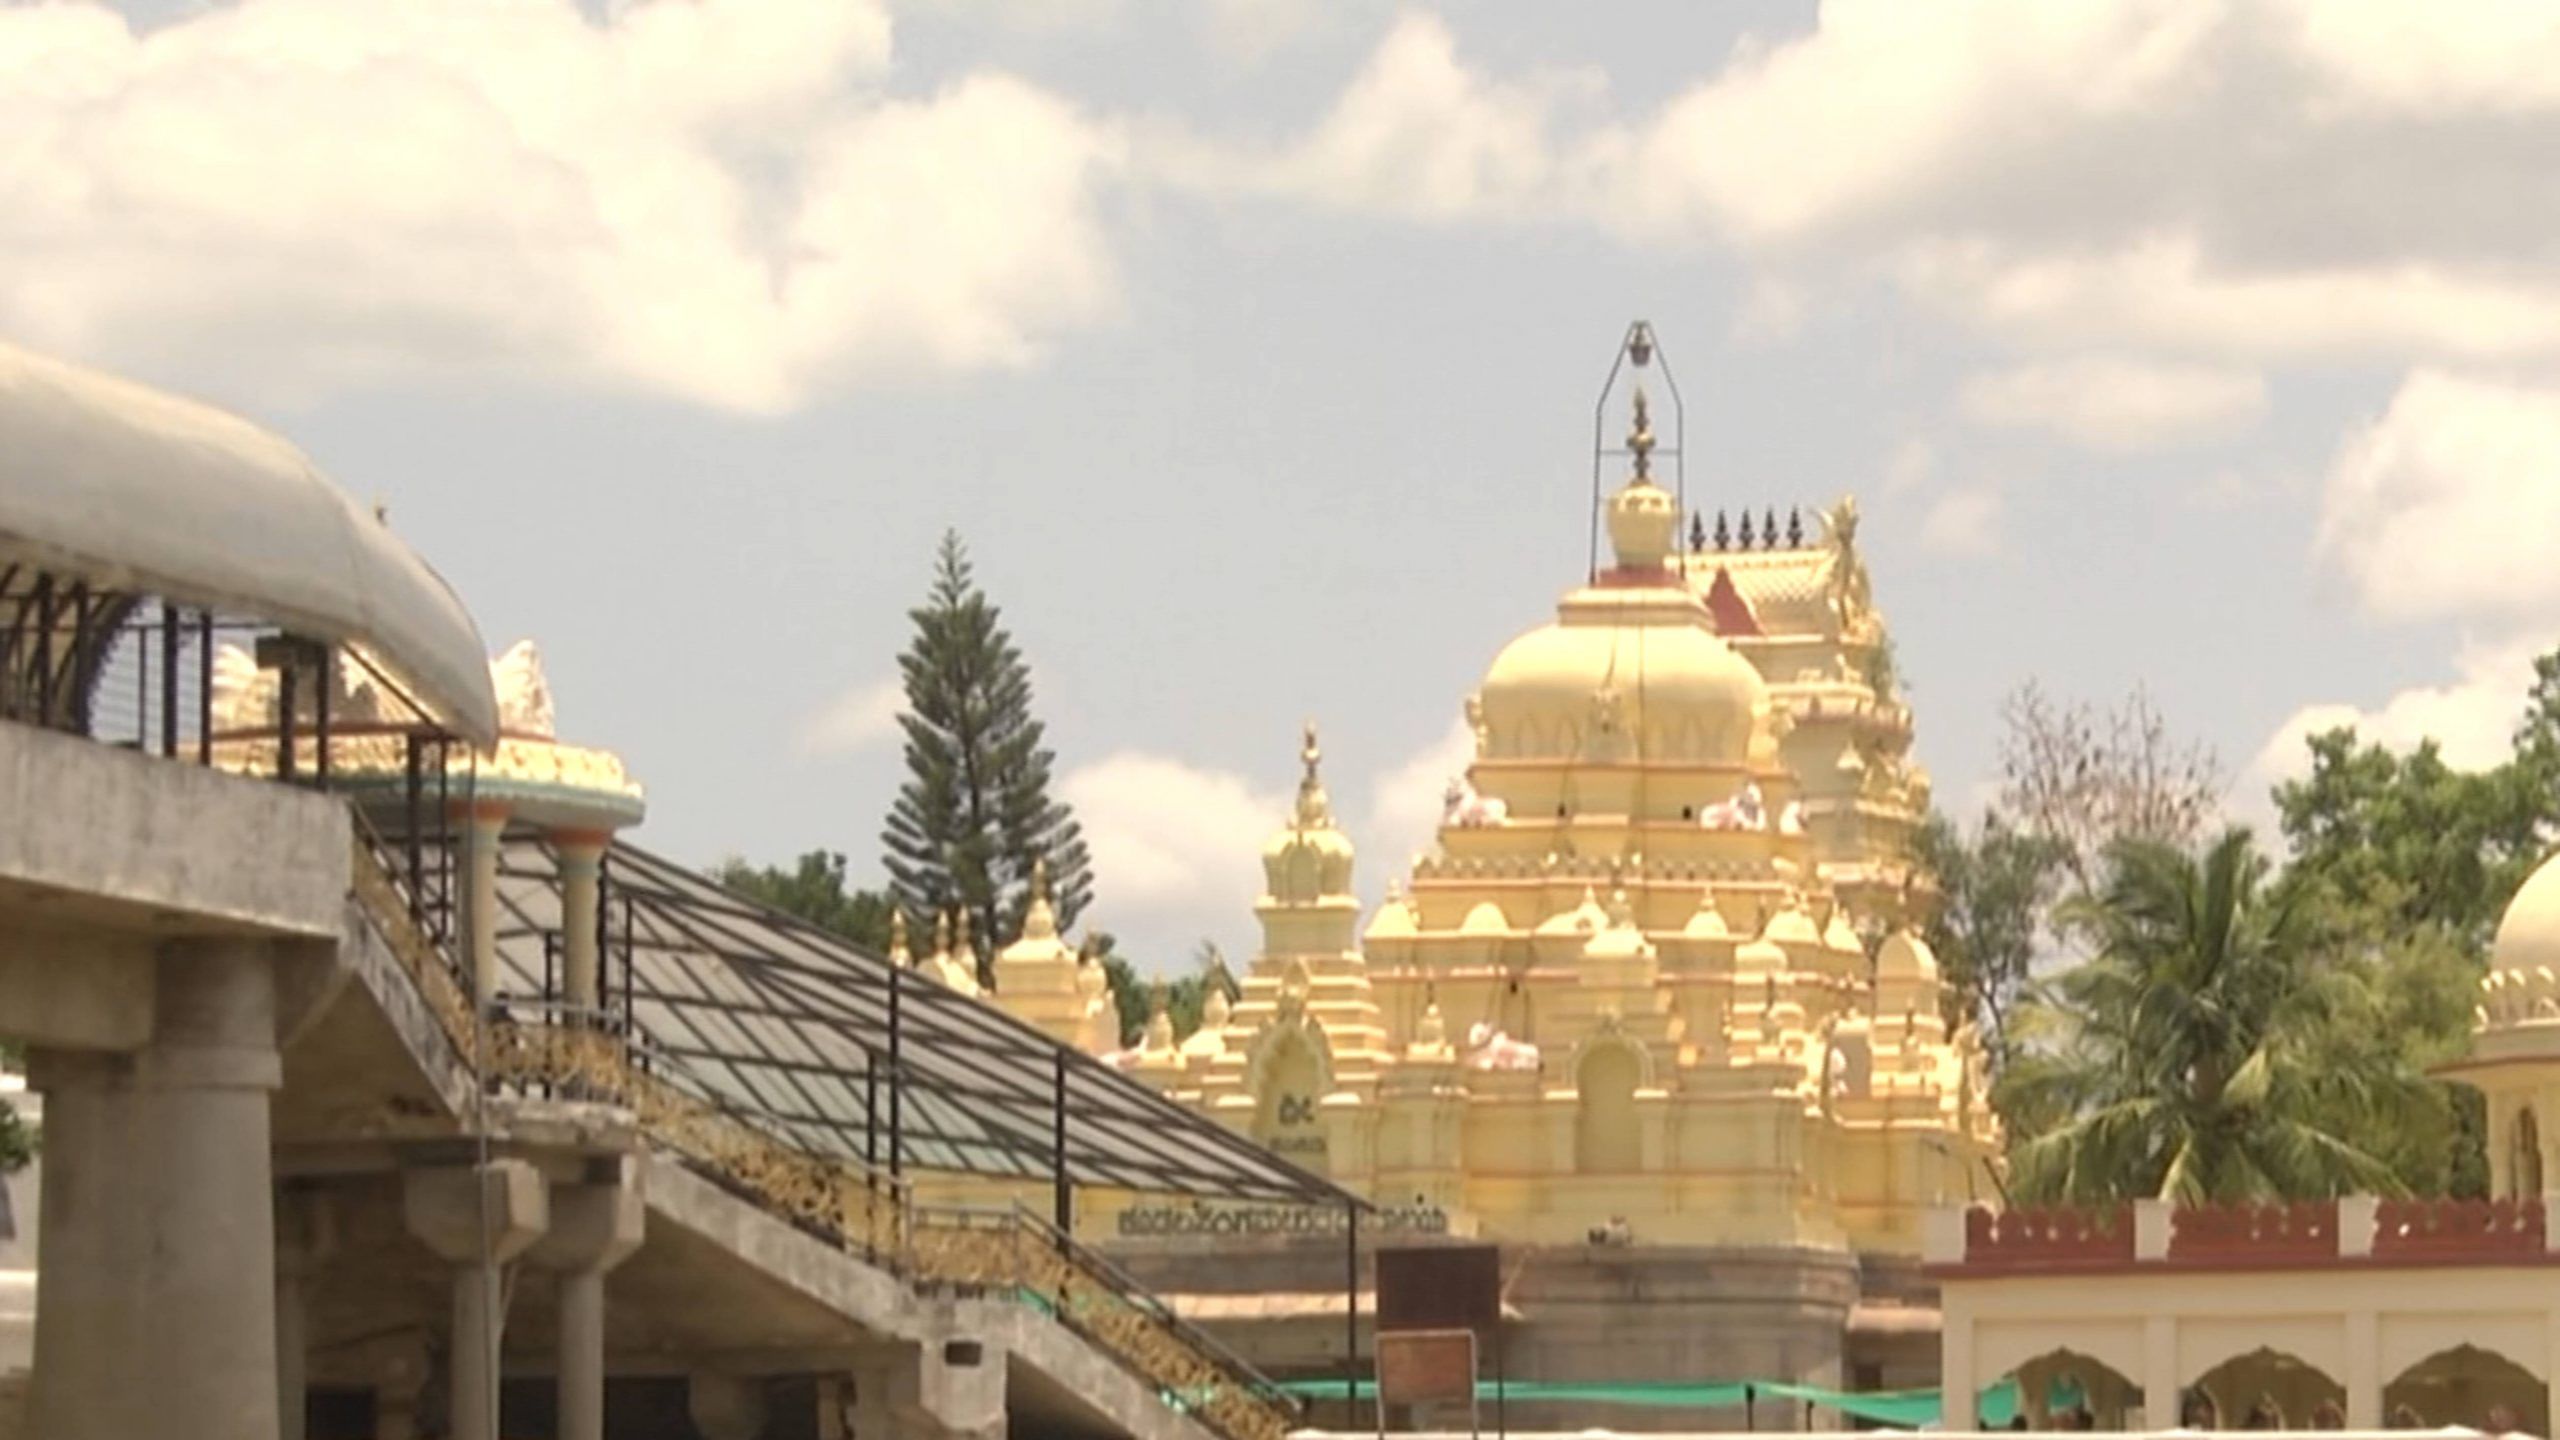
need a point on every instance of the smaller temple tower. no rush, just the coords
(1299, 1058)
(2515, 1041)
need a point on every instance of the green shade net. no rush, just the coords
(1906, 1409)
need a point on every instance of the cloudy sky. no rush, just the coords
(1251, 344)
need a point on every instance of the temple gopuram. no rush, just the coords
(1649, 1013)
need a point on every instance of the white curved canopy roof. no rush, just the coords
(137, 490)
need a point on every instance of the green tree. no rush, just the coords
(814, 889)
(1185, 996)
(2200, 1053)
(1995, 888)
(975, 811)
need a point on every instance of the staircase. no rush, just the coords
(1003, 1254)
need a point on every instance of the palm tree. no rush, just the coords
(2202, 1054)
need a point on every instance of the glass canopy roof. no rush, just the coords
(790, 1028)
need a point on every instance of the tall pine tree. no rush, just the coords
(975, 812)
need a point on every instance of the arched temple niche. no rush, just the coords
(2463, 1384)
(1607, 1137)
(2059, 1382)
(1288, 1075)
(2267, 1378)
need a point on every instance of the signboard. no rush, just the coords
(1426, 1367)
(1440, 1287)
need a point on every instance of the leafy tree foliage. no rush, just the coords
(2201, 1053)
(1185, 997)
(814, 889)
(975, 812)
(1995, 888)
(17, 1138)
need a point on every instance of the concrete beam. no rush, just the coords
(121, 840)
(70, 990)
(471, 1215)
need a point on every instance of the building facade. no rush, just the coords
(1648, 1014)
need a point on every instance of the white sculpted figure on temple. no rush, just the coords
(1490, 1049)
(1463, 806)
(1745, 811)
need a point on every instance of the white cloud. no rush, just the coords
(862, 716)
(2472, 720)
(1176, 848)
(1913, 462)
(1405, 806)
(1962, 522)
(2446, 506)
(1415, 134)
(2113, 403)
(712, 200)
(2253, 178)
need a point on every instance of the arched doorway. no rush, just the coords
(2461, 1386)
(1606, 1138)
(2271, 1380)
(2064, 1383)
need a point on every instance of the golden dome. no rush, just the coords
(1618, 680)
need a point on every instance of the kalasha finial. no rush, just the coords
(1697, 532)
(1769, 528)
(1795, 528)
(1746, 529)
(1309, 753)
(1640, 439)
(1640, 344)
(1724, 532)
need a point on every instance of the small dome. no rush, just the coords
(1309, 859)
(1708, 922)
(1839, 937)
(2529, 933)
(1586, 918)
(1905, 956)
(1791, 926)
(1485, 919)
(1395, 920)
(1644, 525)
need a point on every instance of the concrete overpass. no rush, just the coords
(374, 1107)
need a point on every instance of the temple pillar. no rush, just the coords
(594, 1227)
(2160, 1373)
(157, 1259)
(1959, 1392)
(2364, 1375)
(476, 1218)
(581, 855)
(484, 830)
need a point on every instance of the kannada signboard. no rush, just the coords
(1426, 1367)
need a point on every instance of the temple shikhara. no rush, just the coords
(1654, 986)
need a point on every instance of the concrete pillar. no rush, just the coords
(2364, 1370)
(2160, 1373)
(304, 1238)
(485, 826)
(157, 1260)
(476, 1219)
(726, 1407)
(581, 855)
(594, 1227)
(1959, 1389)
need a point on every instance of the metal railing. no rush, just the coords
(529, 1048)
(1015, 1254)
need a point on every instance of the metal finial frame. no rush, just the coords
(1642, 349)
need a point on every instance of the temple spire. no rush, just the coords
(1315, 810)
(1640, 439)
